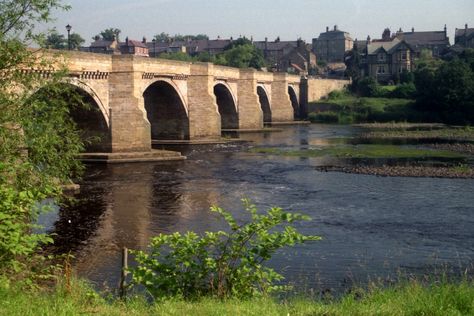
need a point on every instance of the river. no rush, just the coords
(373, 228)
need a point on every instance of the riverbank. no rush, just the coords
(410, 298)
(459, 172)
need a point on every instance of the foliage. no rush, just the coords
(177, 56)
(244, 56)
(352, 59)
(165, 37)
(110, 34)
(404, 91)
(447, 90)
(366, 87)
(38, 141)
(55, 40)
(222, 264)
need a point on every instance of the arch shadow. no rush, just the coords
(264, 104)
(294, 102)
(227, 107)
(166, 112)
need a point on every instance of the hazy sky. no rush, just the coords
(288, 19)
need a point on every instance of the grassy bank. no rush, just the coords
(345, 108)
(362, 151)
(411, 298)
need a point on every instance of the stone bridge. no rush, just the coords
(141, 99)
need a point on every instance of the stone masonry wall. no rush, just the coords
(319, 88)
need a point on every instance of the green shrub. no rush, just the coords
(404, 91)
(222, 264)
(324, 117)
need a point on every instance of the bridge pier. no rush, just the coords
(250, 112)
(204, 118)
(130, 130)
(282, 110)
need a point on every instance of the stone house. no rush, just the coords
(298, 60)
(383, 60)
(331, 45)
(274, 51)
(464, 37)
(435, 41)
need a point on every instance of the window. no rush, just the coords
(381, 69)
(404, 55)
(381, 57)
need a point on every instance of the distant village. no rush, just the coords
(327, 55)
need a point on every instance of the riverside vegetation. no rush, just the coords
(215, 274)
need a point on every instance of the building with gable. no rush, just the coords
(464, 37)
(383, 60)
(435, 41)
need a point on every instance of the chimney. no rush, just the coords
(97, 37)
(445, 31)
(126, 40)
(465, 27)
(327, 29)
(335, 27)
(368, 39)
(144, 40)
(413, 30)
(266, 44)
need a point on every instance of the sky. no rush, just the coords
(288, 19)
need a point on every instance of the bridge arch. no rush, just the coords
(294, 102)
(227, 106)
(264, 104)
(85, 109)
(166, 111)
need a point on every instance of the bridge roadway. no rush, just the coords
(140, 99)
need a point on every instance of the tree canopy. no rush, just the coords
(110, 34)
(59, 41)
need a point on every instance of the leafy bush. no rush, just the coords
(324, 117)
(222, 264)
(404, 91)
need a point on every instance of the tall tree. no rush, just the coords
(110, 34)
(55, 40)
(76, 41)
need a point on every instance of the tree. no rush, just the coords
(162, 37)
(110, 34)
(38, 141)
(352, 60)
(76, 41)
(55, 41)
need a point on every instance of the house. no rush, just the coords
(133, 47)
(129, 47)
(464, 37)
(435, 41)
(274, 51)
(298, 60)
(331, 45)
(384, 60)
(102, 46)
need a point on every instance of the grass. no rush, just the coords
(465, 133)
(362, 151)
(348, 108)
(409, 298)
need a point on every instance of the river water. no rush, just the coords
(373, 228)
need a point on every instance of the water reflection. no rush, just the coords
(372, 226)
